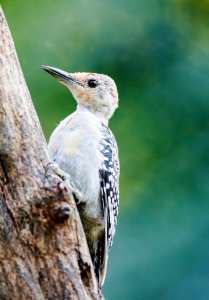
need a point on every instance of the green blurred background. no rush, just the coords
(158, 53)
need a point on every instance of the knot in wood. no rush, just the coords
(62, 213)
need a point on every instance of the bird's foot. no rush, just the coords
(53, 170)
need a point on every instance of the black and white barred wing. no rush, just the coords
(109, 176)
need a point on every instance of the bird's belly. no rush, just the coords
(80, 161)
(92, 227)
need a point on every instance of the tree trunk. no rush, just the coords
(43, 249)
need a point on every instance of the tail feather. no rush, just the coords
(99, 259)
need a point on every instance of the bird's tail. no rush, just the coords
(99, 259)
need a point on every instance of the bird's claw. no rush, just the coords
(53, 169)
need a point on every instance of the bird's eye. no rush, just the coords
(92, 83)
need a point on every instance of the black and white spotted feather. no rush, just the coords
(109, 176)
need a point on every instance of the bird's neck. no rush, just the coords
(96, 113)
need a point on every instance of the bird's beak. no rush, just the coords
(62, 76)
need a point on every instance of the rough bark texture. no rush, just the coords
(43, 250)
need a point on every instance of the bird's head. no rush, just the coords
(94, 92)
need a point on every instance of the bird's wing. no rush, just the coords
(109, 177)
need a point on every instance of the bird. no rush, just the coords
(84, 147)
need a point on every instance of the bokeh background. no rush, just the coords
(158, 53)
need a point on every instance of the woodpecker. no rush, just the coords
(85, 148)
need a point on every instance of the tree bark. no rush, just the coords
(43, 249)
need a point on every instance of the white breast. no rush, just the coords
(75, 146)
